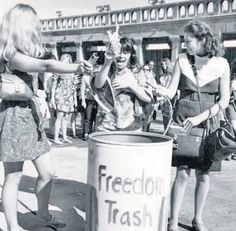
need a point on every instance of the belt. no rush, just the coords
(193, 96)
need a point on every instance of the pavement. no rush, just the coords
(67, 201)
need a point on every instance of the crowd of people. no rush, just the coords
(64, 89)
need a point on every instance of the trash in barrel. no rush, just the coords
(128, 181)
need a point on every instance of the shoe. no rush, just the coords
(51, 222)
(67, 141)
(233, 157)
(85, 137)
(57, 141)
(197, 226)
(172, 226)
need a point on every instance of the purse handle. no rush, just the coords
(224, 115)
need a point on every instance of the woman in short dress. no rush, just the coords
(21, 134)
(64, 99)
(213, 74)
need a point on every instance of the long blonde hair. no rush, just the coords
(20, 31)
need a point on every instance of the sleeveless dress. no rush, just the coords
(188, 103)
(21, 133)
(64, 92)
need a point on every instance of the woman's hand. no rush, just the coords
(83, 104)
(114, 46)
(191, 122)
(122, 83)
(52, 104)
(160, 91)
(84, 67)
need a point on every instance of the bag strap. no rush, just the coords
(191, 60)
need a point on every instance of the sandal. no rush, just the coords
(197, 226)
(233, 157)
(51, 222)
(172, 226)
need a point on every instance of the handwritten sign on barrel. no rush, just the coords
(128, 181)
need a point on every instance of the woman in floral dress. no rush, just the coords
(120, 57)
(64, 100)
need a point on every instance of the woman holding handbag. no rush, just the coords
(212, 77)
(21, 134)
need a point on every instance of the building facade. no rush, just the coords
(157, 29)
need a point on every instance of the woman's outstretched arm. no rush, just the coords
(26, 63)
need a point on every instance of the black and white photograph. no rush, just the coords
(117, 115)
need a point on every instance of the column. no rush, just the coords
(176, 46)
(52, 47)
(139, 50)
(79, 51)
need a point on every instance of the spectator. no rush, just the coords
(147, 80)
(151, 68)
(165, 80)
(231, 110)
(89, 106)
(64, 100)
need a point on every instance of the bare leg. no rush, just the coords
(46, 171)
(64, 127)
(201, 191)
(13, 175)
(58, 125)
(73, 124)
(177, 193)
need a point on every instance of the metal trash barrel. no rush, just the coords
(128, 181)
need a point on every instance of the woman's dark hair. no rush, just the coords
(127, 45)
(168, 65)
(202, 31)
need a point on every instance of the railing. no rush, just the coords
(149, 14)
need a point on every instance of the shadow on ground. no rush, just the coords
(68, 197)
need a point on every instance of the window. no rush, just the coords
(153, 14)
(182, 11)
(134, 17)
(145, 15)
(170, 12)
(224, 6)
(161, 13)
(191, 10)
(210, 8)
(127, 17)
(120, 17)
(200, 9)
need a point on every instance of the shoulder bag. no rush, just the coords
(15, 88)
(221, 142)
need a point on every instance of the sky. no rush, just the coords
(48, 8)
